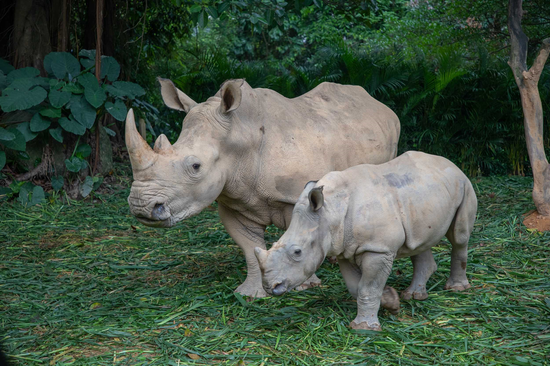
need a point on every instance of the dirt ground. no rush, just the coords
(533, 220)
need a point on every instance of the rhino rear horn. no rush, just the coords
(173, 97)
(162, 144)
(141, 154)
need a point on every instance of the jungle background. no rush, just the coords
(83, 283)
(440, 65)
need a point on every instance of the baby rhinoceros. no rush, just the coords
(369, 215)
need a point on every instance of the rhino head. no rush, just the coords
(302, 248)
(174, 182)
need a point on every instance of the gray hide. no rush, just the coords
(253, 150)
(369, 215)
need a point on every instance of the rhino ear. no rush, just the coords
(316, 198)
(231, 95)
(173, 97)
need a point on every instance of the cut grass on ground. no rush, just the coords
(85, 284)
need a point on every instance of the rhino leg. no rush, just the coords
(375, 269)
(459, 235)
(248, 235)
(352, 276)
(423, 267)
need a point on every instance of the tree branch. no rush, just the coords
(536, 69)
(518, 52)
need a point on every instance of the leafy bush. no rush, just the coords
(467, 111)
(60, 108)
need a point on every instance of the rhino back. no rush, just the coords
(330, 128)
(412, 199)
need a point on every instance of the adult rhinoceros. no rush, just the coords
(252, 151)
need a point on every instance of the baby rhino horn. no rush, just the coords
(162, 144)
(261, 254)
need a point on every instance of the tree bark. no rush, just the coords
(31, 34)
(527, 82)
(99, 30)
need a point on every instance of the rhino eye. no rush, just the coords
(298, 251)
(196, 166)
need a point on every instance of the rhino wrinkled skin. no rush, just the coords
(252, 150)
(369, 215)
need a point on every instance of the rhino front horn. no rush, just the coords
(261, 254)
(141, 154)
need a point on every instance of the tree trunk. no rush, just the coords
(527, 81)
(31, 34)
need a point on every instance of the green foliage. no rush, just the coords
(60, 108)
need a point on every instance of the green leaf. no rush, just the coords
(72, 126)
(24, 73)
(195, 8)
(21, 98)
(109, 68)
(38, 123)
(2, 159)
(75, 164)
(23, 196)
(18, 143)
(87, 186)
(94, 94)
(56, 84)
(5, 66)
(73, 88)
(95, 97)
(87, 54)
(59, 98)
(97, 182)
(5, 193)
(125, 89)
(5, 135)
(82, 111)
(57, 134)
(203, 19)
(51, 112)
(3, 80)
(25, 130)
(83, 150)
(62, 64)
(37, 195)
(117, 110)
(109, 131)
(88, 64)
(57, 183)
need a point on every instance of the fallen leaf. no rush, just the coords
(95, 305)
(193, 356)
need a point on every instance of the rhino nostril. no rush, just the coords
(158, 211)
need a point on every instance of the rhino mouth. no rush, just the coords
(154, 223)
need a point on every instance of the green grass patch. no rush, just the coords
(85, 284)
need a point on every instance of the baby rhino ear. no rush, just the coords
(316, 198)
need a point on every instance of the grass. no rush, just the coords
(85, 284)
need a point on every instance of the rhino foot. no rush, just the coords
(417, 295)
(245, 289)
(366, 326)
(390, 300)
(313, 281)
(457, 285)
